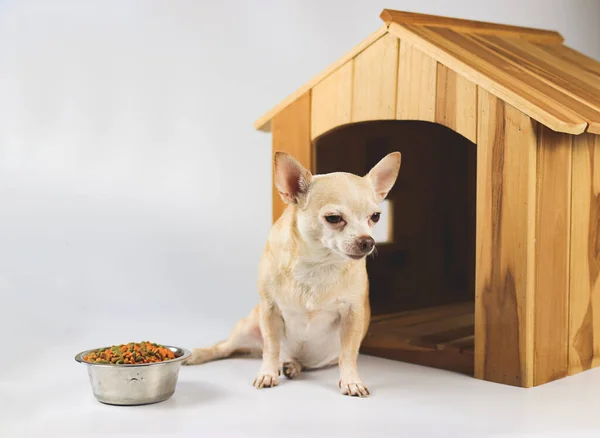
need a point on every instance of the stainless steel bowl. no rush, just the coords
(134, 384)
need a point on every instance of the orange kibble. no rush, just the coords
(131, 353)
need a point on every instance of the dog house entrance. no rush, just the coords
(422, 281)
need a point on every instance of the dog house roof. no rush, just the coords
(530, 69)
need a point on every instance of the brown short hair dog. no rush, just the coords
(313, 287)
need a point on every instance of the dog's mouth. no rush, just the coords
(355, 257)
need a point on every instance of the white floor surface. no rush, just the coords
(53, 398)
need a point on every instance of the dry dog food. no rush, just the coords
(132, 353)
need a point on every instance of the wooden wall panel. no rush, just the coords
(552, 245)
(291, 134)
(456, 108)
(332, 101)
(375, 81)
(505, 243)
(584, 330)
(456, 103)
(417, 74)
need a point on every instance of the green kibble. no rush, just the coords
(130, 353)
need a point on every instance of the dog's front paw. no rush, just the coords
(354, 388)
(266, 380)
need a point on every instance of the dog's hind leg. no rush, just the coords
(291, 368)
(244, 339)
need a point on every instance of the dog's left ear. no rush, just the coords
(383, 175)
(291, 179)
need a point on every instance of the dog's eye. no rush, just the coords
(333, 218)
(375, 217)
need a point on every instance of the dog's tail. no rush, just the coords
(245, 340)
(218, 351)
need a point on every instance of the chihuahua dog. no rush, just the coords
(312, 279)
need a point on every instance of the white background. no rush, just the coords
(134, 193)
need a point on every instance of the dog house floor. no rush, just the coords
(440, 337)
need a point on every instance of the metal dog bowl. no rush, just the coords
(134, 384)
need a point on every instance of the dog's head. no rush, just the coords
(336, 210)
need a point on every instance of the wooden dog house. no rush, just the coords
(492, 262)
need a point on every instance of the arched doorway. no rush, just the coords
(422, 281)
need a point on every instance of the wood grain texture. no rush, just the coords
(470, 26)
(584, 330)
(264, 122)
(458, 53)
(505, 243)
(574, 57)
(567, 84)
(417, 75)
(438, 337)
(456, 103)
(331, 104)
(375, 81)
(552, 246)
(557, 71)
(291, 134)
(503, 64)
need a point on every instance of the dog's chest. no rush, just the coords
(311, 331)
(309, 314)
(303, 325)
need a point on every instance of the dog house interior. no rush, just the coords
(422, 279)
(488, 261)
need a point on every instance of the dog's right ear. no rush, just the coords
(291, 179)
(383, 175)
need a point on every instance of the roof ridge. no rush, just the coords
(471, 26)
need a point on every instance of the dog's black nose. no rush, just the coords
(365, 244)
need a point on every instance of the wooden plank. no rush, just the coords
(446, 359)
(264, 123)
(420, 315)
(291, 133)
(493, 78)
(552, 246)
(456, 103)
(505, 243)
(471, 26)
(594, 128)
(470, 349)
(447, 337)
(503, 65)
(586, 67)
(425, 335)
(579, 95)
(417, 75)
(401, 339)
(331, 104)
(375, 81)
(584, 300)
(574, 57)
(435, 326)
(559, 68)
(460, 343)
